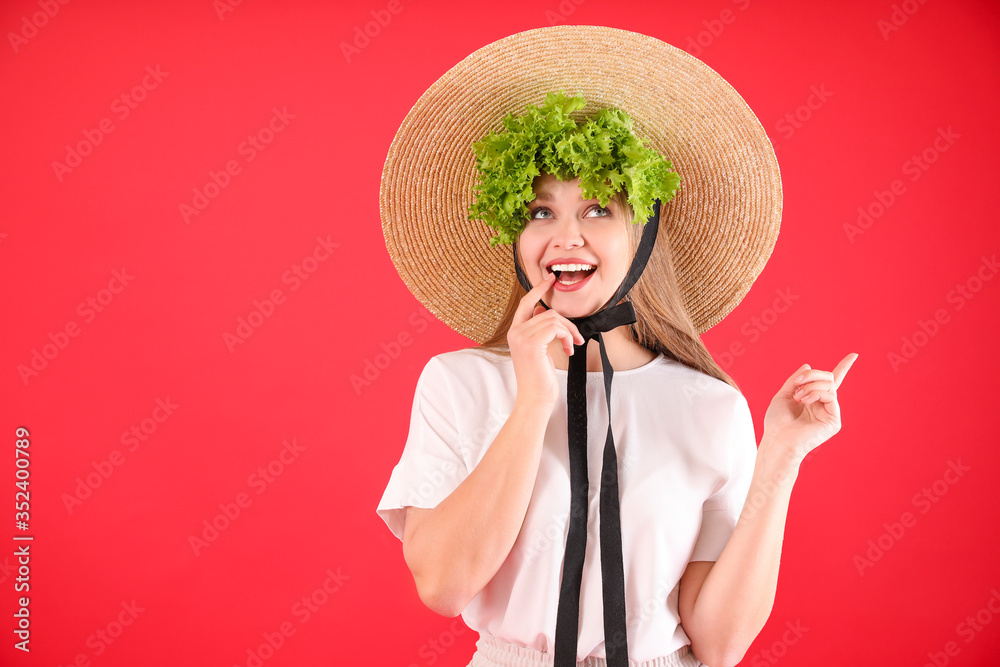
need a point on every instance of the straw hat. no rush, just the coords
(722, 224)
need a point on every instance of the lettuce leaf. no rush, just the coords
(602, 152)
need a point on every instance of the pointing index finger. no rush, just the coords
(528, 301)
(841, 370)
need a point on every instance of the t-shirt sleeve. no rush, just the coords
(431, 465)
(722, 509)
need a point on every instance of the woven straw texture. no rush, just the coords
(722, 225)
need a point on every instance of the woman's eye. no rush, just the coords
(540, 213)
(598, 212)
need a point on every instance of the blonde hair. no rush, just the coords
(662, 322)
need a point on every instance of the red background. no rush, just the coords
(886, 94)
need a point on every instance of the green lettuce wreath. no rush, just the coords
(602, 152)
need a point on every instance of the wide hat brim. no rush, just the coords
(721, 226)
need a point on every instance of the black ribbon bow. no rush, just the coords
(612, 562)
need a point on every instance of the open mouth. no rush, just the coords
(571, 274)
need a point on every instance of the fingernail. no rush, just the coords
(799, 377)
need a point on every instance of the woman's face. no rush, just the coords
(564, 231)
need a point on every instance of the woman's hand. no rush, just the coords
(804, 413)
(531, 331)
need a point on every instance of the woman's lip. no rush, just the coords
(559, 287)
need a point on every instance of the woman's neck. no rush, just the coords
(624, 353)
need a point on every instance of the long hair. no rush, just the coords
(662, 322)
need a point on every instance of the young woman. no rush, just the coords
(670, 557)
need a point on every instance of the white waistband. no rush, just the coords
(493, 652)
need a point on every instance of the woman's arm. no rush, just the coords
(724, 606)
(723, 614)
(454, 549)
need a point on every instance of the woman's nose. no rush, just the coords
(568, 233)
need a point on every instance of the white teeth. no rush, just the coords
(572, 267)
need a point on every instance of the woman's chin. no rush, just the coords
(569, 308)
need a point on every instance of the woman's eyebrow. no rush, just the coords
(543, 195)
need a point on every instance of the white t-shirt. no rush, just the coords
(686, 452)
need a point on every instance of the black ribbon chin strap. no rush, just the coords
(612, 562)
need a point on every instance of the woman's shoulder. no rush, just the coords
(694, 384)
(474, 354)
(468, 367)
(469, 358)
(712, 408)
